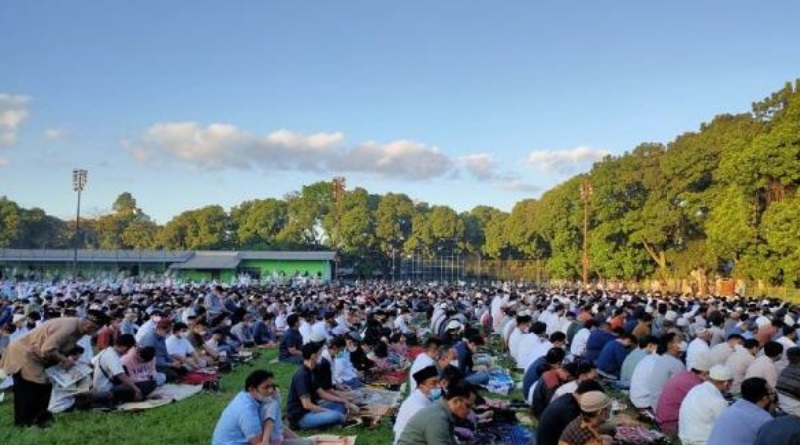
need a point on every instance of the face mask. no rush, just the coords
(454, 363)
(227, 323)
(352, 348)
(436, 394)
(262, 399)
(156, 319)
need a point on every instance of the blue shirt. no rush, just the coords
(738, 424)
(291, 339)
(159, 343)
(240, 421)
(611, 358)
(781, 431)
(532, 374)
(597, 339)
(271, 410)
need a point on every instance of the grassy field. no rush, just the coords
(189, 422)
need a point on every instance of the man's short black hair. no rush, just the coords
(751, 343)
(773, 349)
(309, 349)
(555, 356)
(291, 320)
(589, 385)
(433, 341)
(125, 340)
(460, 388)
(647, 340)
(256, 378)
(754, 389)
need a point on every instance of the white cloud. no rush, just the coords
(481, 165)
(13, 113)
(518, 185)
(565, 161)
(220, 146)
(56, 134)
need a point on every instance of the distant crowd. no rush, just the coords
(712, 370)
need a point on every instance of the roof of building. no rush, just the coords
(192, 260)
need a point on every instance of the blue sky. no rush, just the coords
(189, 103)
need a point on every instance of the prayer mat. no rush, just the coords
(326, 439)
(381, 397)
(502, 433)
(163, 395)
(633, 435)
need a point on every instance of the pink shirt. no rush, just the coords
(669, 404)
(138, 370)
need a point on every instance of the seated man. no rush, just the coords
(110, 376)
(181, 350)
(305, 409)
(289, 350)
(242, 421)
(434, 424)
(140, 364)
(426, 392)
(613, 354)
(242, 332)
(157, 339)
(264, 331)
(554, 358)
(465, 350)
(788, 387)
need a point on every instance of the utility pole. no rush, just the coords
(78, 183)
(338, 199)
(586, 196)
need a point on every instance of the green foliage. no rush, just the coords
(722, 197)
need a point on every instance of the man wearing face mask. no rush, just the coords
(242, 421)
(426, 392)
(434, 424)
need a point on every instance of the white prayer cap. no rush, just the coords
(720, 373)
(453, 324)
(788, 320)
(682, 322)
(671, 315)
(702, 331)
(702, 362)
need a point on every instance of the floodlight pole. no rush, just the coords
(78, 183)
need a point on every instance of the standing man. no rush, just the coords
(27, 358)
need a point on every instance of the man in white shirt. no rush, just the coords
(427, 358)
(523, 324)
(765, 365)
(787, 340)
(180, 348)
(698, 346)
(740, 360)
(702, 405)
(532, 345)
(148, 326)
(667, 364)
(427, 391)
(305, 327)
(110, 377)
(579, 340)
(720, 353)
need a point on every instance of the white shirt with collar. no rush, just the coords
(410, 406)
(422, 361)
(697, 347)
(640, 389)
(699, 411)
(579, 341)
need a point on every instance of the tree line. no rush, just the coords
(722, 198)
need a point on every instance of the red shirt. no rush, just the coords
(105, 337)
(669, 404)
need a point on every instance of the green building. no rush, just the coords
(188, 265)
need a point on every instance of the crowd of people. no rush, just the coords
(707, 370)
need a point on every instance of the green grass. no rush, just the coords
(189, 422)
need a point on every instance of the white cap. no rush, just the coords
(702, 362)
(702, 331)
(682, 322)
(453, 324)
(720, 373)
(671, 315)
(17, 318)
